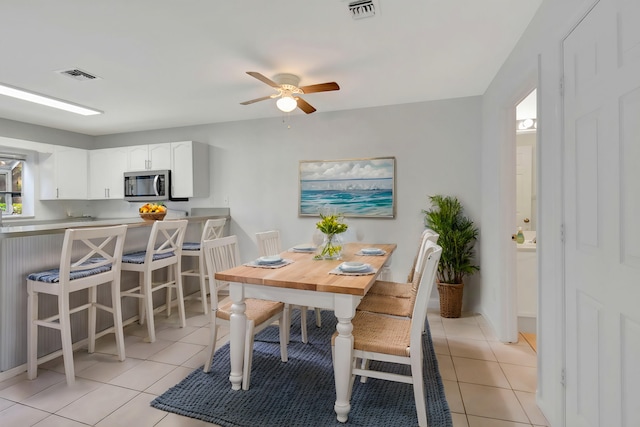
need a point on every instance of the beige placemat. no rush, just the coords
(367, 272)
(300, 251)
(281, 264)
(376, 254)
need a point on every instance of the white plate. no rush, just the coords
(371, 251)
(353, 266)
(274, 259)
(304, 248)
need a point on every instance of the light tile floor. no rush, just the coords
(487, 383)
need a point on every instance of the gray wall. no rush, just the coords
(254, 164)
(29, 132)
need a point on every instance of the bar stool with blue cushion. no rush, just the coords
(164, 250)
(213, 229)
(90, 257)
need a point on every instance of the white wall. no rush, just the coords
(255, 165)
(539, 48)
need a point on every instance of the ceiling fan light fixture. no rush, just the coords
(286, 103)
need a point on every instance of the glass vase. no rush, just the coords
(331, 247)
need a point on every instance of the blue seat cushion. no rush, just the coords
(53, 275)
(191, 246)
(138, 257)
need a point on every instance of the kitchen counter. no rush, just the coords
(52, 227)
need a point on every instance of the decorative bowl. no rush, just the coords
(156, 216)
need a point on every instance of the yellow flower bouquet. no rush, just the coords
(331, 226)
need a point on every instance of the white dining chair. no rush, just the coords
(222, 254)
(90, 257)
(269, 244)
(164, 251)
(384, 288)
(395, 340)
(213, 229)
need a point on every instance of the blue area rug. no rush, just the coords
(301, 392)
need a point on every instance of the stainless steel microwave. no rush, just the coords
(146, 186)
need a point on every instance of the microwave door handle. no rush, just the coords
(156, 180)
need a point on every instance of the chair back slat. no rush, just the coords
(416, 260)
(166, 237)
(220, 254)
(421, 279)
(213, 229)
(431, 237)
(91, 248)
(269, 243)
(419, 315)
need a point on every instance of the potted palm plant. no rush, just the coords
(458, 236)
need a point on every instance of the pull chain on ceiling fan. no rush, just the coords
(288, 91)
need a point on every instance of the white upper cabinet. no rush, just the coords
(76, 174)
(106, 173)
(189, 169)
(149, 157)
(63, 174)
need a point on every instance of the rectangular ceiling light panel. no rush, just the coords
(15, 92)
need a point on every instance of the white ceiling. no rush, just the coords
(168, 63)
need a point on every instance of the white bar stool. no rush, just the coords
(90, 257)
(213, 229)
(164, 249)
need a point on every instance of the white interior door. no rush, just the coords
(602, 208)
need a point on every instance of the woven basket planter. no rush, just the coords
(450, 299)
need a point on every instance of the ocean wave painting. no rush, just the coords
(357, 188)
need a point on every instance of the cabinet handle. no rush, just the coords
(57, 193)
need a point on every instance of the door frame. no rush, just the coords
(510, 296)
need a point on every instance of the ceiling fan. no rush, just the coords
(288, 91)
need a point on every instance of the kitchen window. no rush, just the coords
(11, 168)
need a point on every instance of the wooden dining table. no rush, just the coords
(305, 282)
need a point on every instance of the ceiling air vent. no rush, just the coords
(362, 9)
(78, 74)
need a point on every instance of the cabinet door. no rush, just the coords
(182, 169)
(71, 173)
(106, 170)
(160, 156)
(138, 158)
(47, 170)
(117, 160)
(63, 174)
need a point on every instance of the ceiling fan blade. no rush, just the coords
(258, 99)
(321, 87)
(304, 105)
(263, 79)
